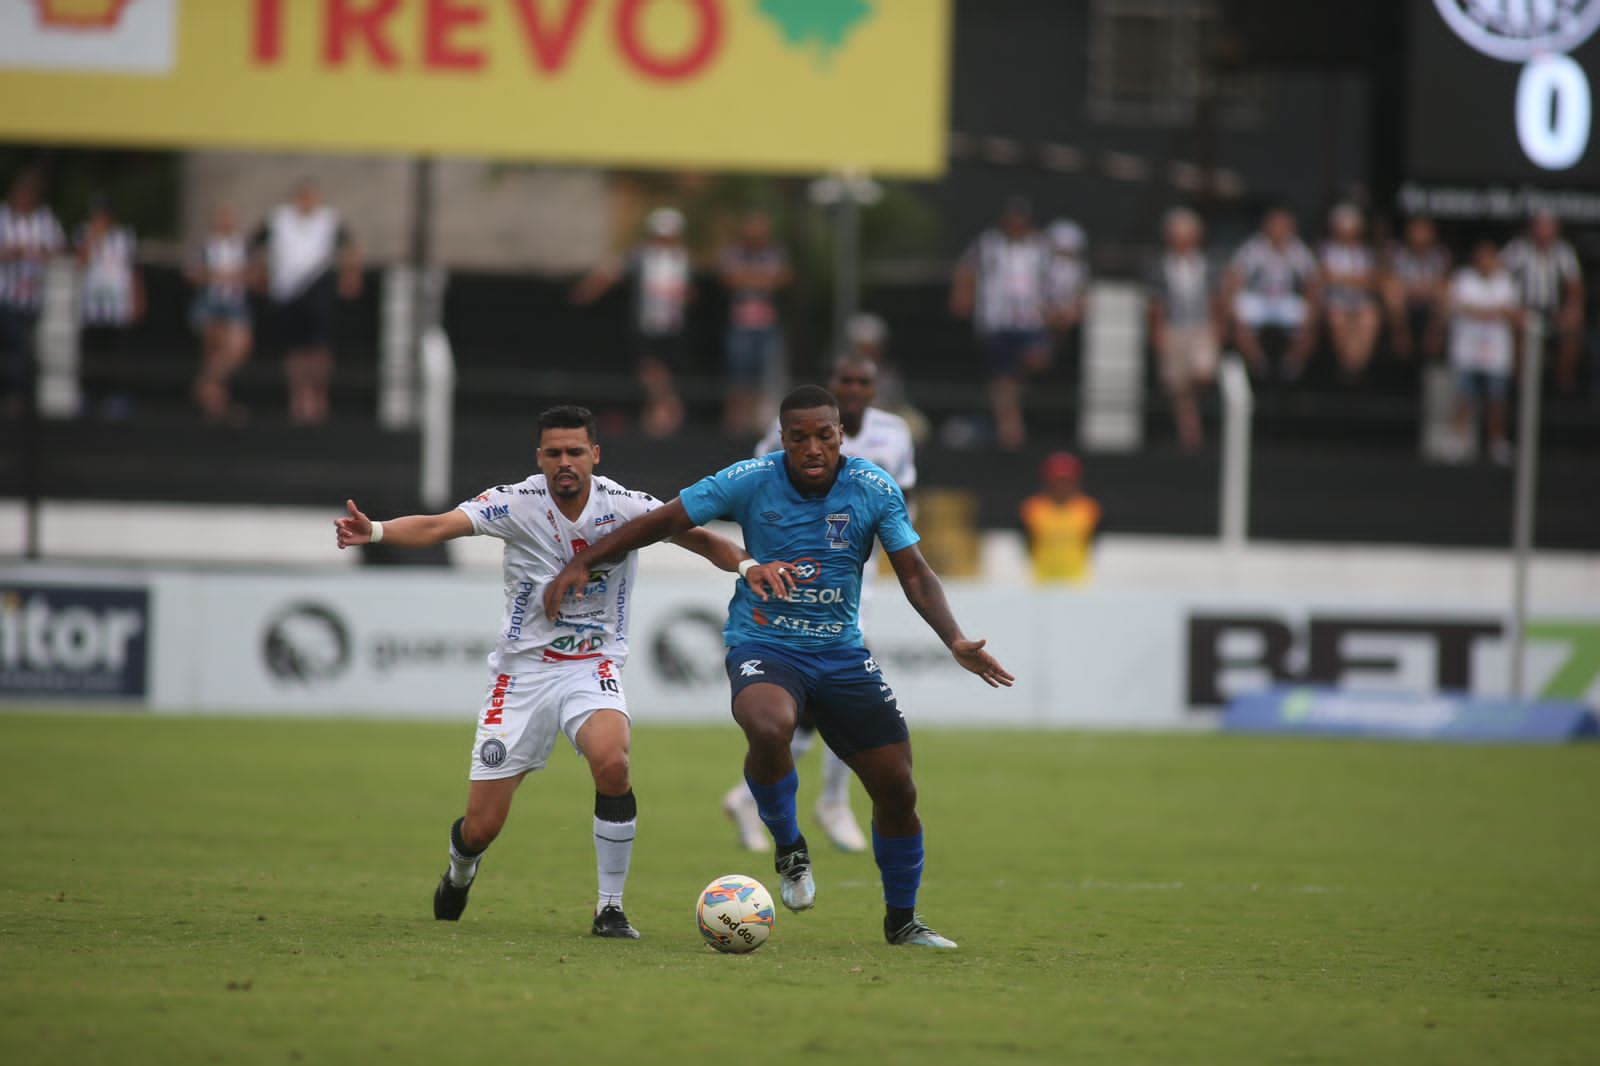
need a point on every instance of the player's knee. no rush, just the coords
(610, 771)
(768, 733)
(896, 796)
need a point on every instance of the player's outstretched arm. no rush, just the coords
(411, 531)
(665, 521)
(926, 593)
(766, 579)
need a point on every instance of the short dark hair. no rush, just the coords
(567, 416)
(806, 397)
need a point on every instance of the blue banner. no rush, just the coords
(73, 641)
(1314, 711)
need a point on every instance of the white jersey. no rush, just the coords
(1478, 344)
(885, 439)
(539, 541)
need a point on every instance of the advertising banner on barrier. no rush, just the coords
(781, 85)
(1400, 716)
(72, 641)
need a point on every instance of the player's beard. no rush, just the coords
(567, 492)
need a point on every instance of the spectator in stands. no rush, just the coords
(1002, 283)
(1066, 287)
(1060, 523)
(29, 236)
(221, 316)
(1273, 295)
(659, 276)
(1416, 277)
(1349, 289)
(111, 291)
(1484, 313)
(866, 337)
(311, 261)
(1550, 282)
(754, 269)
(1185, 329)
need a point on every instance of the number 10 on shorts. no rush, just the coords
(605, 676)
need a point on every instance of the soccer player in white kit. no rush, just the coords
(885, 439)
(548, 678)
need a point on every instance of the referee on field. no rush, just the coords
(310, 262)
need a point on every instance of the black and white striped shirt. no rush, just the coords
(1541, 274)
(106, 295)
(37, 236)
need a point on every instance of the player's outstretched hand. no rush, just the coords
(355, 528)
(769, 580)
(571, 579)
(970, 654)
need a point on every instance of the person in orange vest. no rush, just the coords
(1061, 522)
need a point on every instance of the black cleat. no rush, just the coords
(448, 900)
(613, 924)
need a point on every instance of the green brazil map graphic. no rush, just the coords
(823, 25)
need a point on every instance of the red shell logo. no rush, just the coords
(81, 14)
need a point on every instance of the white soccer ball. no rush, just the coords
(735, 914)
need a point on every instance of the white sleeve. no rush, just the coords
(490, 512)
(905, 467)
(1568, 263)
(772, 442)
(633, 504)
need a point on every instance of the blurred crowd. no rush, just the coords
(1284, 305)
(1281, 305)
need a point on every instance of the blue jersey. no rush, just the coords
(826, 536)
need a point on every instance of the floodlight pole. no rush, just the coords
(1524, 502)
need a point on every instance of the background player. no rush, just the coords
(812, 515)
(561, 673)
(885, 439)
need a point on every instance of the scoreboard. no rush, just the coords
(1504, 92)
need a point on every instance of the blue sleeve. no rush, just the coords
(894, 524)
(720, 494)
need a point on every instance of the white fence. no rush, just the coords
(407, 643)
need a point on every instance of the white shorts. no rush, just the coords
(522, 712)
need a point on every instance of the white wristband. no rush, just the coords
(377, 533)
(744, 568)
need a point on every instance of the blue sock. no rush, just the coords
(776, 804)
(900, 863)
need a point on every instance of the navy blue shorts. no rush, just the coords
(841, 689)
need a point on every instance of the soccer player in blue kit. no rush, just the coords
(809, 517)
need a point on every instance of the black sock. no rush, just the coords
(896, 918)
(461, 845)
(623, 808)
(788, 849)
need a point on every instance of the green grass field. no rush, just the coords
(257, 891)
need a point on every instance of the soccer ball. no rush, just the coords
(735, 914)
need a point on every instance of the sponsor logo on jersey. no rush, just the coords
(834, 527)
(806, 570)
(531, 492)
(519, 610)
(491, 753)
(803, 626)
(751, 668)
(495, 512)
(772, 516)
(873, 478)
(750, 466)
(805, 595)
(577, 644)
(605, 520)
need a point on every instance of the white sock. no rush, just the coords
(463, 867)
(801, 743)
(835, 780)
(613, 847)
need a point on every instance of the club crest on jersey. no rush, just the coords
(836, 524)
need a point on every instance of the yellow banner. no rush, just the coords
(777, 85)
